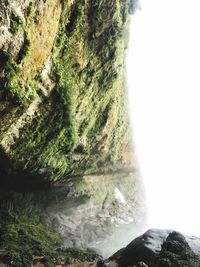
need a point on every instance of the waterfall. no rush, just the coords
(163, 65)
(119, 196)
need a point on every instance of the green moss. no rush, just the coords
(16, 23)
(51, 139)
(31, 12)
(72, 255)
(20, 93)
(25, 51)
(19, 86)
(22, 240)
(86, 109)
(87, 106)
(101, 188)
(25, 240)
(22, 234)
(176, 252)
(80, 187)
(12, 87)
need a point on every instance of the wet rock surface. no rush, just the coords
(93, 215)
(158, 248)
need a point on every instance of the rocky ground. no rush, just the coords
(155, 248)
(87, 216)
(81, 264)
(93, 214)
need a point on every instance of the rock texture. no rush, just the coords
(159, 248)
(62, 103)
(66, 158)
(88, 213)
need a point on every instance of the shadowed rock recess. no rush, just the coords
(66, 160)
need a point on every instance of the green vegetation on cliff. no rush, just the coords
(62, 111)
(25, 240)
(22, 234)
(79, 126)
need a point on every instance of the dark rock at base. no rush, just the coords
(176, 252)
(144, 248)
(159, 248)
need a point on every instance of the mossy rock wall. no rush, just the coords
(62, 102)
(63, 117)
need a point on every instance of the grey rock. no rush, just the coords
(147, 248)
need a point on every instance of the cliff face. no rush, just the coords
(65, 149)
(62, 101)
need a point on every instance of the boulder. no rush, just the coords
(159, 248)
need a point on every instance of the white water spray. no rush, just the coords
(119, 196)
(164, 86)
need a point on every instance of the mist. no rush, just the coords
(163, 66)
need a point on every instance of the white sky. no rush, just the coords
(164, 85)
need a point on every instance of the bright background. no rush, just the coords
(163, 65)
